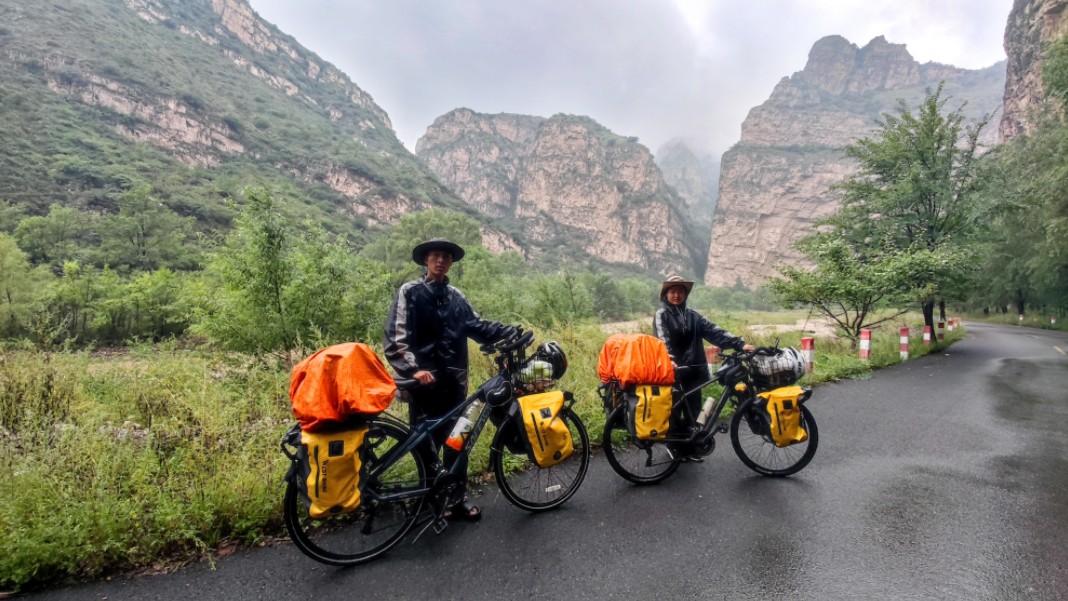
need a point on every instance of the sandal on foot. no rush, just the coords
(464, 511)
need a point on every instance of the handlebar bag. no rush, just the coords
(329, 470)
(649, 411)
(548, 435)
(781, 369)
(338, 383)
(781, 410)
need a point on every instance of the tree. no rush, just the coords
(395, 249)
(915, 190)
(145, 234)
(844, 287)
(55, 238)
(283, 287)
(15, 288)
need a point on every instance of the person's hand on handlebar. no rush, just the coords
(748, 348)
(508, 333)
(423, 376)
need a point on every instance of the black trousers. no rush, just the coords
(692, 400)
(432, 402)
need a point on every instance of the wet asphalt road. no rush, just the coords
(941, 478)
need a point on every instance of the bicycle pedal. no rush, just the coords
(440, 525)
(722, 428)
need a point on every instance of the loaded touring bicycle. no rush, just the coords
(771, 429)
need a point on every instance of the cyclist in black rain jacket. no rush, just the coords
(426, 339)
(684, 331)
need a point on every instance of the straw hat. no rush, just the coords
(420, 252)
(671, 282)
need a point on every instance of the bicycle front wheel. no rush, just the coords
(529, 486)
(639, 461)
(389, 505)
(759, 453)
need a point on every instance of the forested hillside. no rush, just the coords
(102, 96)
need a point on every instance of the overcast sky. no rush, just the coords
(655, 69)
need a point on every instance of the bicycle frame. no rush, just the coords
(419, 439)
(729, 378)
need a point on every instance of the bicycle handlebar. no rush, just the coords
(520, 339)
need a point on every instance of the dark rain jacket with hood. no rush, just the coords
(683, 331)
(428, 327)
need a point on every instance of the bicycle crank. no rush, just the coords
(704, 443)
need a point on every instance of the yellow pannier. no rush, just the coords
(548, 434)
(783, 411)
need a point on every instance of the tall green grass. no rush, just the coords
(116, 464)
(121, 462)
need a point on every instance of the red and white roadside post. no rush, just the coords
(808, 351)
(941, 331)
(865, 344)
(904, 344)
(712, 355)
(927, 335)
(950, 325)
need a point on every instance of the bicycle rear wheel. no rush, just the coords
(639, 461)
(759, 453)
(534, 488)
(388, 508)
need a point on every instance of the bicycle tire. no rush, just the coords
(760, 454)
(367, 533)
(638, 461)
(529, 486)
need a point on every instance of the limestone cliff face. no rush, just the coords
(774, 184)
(1033, 24)
(568, 184)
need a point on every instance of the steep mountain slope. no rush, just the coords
(577, 191)
(1033, 24)
(200, 98)
(775, 182)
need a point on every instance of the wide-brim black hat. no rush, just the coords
(673, 281)
(420, 252)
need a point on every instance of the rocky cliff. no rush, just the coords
(775, 182)
(1032, 25)
(573, 189)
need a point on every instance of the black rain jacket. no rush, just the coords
(428, 327)
(683, 331)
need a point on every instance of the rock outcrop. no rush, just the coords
(775, 183)
(1032, 26)
(568, 184)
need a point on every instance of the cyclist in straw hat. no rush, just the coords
(684, 331)
(426, 339)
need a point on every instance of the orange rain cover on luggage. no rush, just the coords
(635, 359)
(338, 382)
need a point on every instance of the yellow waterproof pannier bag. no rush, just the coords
(651, 411)
(548, 435)
(330, 470)
(784, 415)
